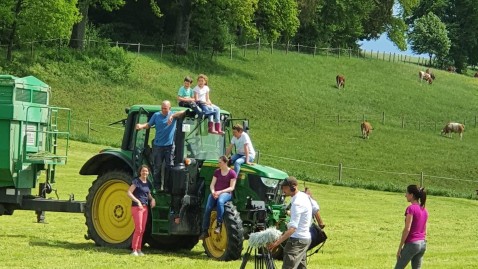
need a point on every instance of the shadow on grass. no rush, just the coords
(38, 242)
(201, 64)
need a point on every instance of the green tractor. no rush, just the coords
(257, 200)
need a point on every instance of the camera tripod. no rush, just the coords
(262, 258)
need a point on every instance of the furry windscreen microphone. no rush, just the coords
(262, 238)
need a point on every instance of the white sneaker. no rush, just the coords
(134, 253)
(140, 253)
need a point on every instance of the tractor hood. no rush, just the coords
(256, 169)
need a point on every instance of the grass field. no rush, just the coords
(363, 226)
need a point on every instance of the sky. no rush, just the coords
(383, 44)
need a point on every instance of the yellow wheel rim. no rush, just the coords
(112, 212)
(216, 243)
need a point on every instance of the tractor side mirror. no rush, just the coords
(245, 125)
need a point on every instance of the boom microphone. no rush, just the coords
(262, 238)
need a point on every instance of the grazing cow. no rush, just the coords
(451, 69)
(453, 127)
(340, 79)
(476, 75)
(366, 128)
(426, 76)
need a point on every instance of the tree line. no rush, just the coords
(444, 29)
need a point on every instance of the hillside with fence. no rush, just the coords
(300, 122)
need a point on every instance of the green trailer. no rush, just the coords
(30, 129)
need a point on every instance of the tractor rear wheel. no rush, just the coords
(227, 245)
(108, 210)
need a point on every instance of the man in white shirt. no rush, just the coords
(245, 150)
(297, 235)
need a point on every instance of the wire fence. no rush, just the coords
(341, 174)
(232, 50)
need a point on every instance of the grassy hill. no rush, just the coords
(300, 122)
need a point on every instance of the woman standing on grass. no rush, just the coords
(140, 193)
(413, 245)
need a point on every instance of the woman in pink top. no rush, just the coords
(413, 245)
(222, 184)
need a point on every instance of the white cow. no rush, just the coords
(453, 127)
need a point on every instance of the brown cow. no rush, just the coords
(453, 127)
(366, 128)
(429, 77)
(476, 75)
(340, 79)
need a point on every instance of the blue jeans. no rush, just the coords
(219, 204)
(161, 154)
(212, 111)
(412, 252)
(238, 160)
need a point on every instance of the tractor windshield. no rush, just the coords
(198, 143)
(266, 189)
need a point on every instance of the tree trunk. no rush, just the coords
(11, 38)
(78, 32)
(182, 27)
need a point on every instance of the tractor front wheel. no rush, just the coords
(108, 210)
(227, 245)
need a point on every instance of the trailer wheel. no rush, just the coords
(108, 210)
(227, 245)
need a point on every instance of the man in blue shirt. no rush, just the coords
(163, 143)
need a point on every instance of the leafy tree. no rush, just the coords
(276, 17)
(78, 31)
(28, 20)
(216, 22)
(429, 35)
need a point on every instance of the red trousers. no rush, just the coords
(140, 217)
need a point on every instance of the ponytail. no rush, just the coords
(423, 196)
(418, 193)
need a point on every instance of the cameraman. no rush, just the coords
(295, 250)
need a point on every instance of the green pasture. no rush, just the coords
(299, 121)
(364, 228)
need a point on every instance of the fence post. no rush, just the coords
(315, 49)
(378, 53)
(383, 117)
(298, 46)
(162, 49)
(89, 128)
(340, 172)
(393, 56)
(230, 51)
(421, 179)
(371, 53)
(139, 47)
